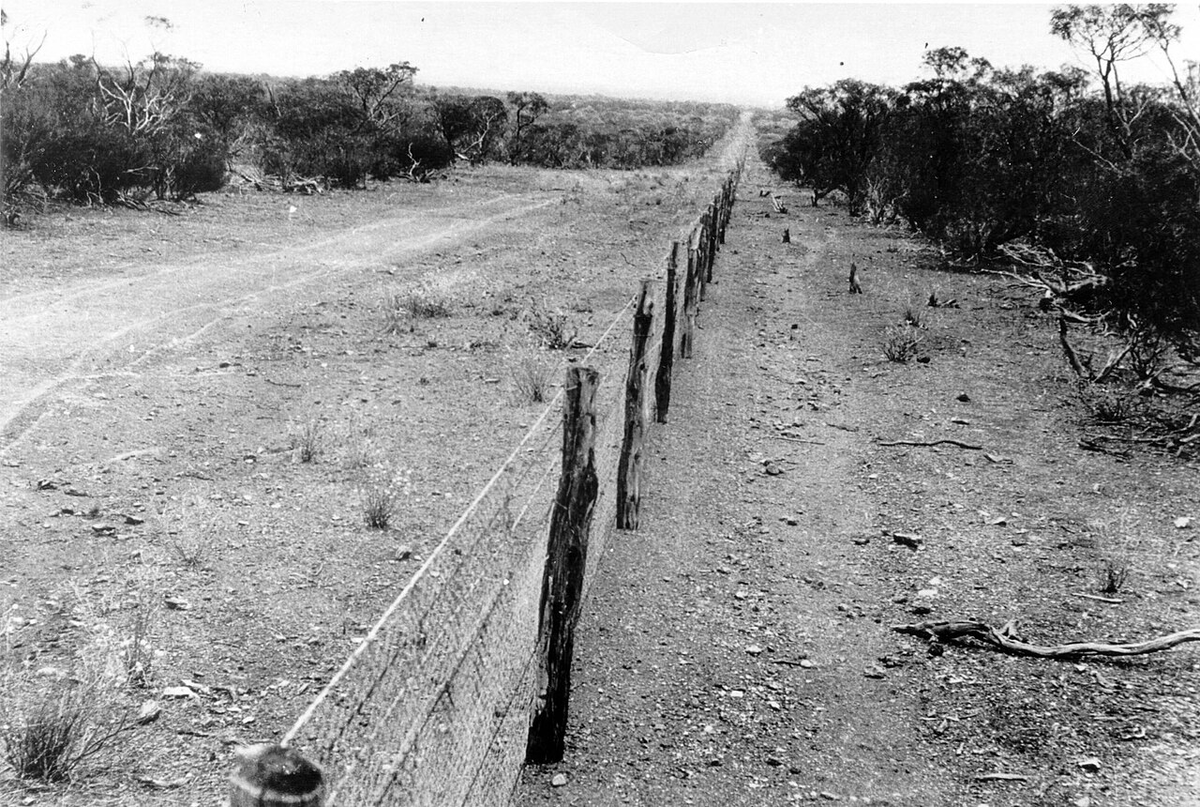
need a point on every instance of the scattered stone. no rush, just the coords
(964, 398)
(911, 540)
(774, 762)
(861, 540)
(149, 712)
(559, 780)
(134, 520)
(1082, 801)
(739, 595)
(176, 604)
(825, 794)
(754, 650)
(178, 692)
(1183, 522)
(1091, 764)
(403, 552)
(806, 664)
(104, 529)
(874, 671)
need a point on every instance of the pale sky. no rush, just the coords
(745, 53)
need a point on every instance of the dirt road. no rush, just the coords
(736, 650)
(106, 325)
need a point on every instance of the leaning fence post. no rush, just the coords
(629, 466)
(273, 776)
(702, 257)
(666, 361)
(562, 585)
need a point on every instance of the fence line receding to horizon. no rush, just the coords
(454, 686)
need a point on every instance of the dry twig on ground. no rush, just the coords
(1005, 639)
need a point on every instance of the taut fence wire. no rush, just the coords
(434, 706)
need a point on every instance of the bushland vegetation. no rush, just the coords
(162, 128)
(1086, 186)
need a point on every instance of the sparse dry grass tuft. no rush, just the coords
(308, 442)
(532, 376)
(901, 343)
(52, 720)
(551, 329)
(379, 501)
(1109, 404)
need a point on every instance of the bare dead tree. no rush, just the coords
(15, 69)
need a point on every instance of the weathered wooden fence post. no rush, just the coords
(666, 360)
(711, 238)
(690, 291)
(702, 252)
(562, 586)
(273, 776)
(629, 466)
(723, 215)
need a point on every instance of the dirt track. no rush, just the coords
(736, 650)
(114, 326)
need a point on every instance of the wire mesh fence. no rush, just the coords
(433, 707)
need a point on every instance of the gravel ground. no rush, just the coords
(737, 649)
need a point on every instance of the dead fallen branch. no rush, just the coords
(1098, 598)
(1001, 777)
(1005, 639)
(930, 443)
(788, 438)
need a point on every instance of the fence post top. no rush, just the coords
(268, 769)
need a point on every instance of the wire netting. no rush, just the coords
(434, 705)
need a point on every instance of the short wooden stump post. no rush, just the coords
(273, 776)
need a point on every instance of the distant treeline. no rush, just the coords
(1095, 181)
(162, 127)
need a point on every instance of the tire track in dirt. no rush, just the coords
(102, 327)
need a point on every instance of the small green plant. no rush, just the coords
(901, 343)
(307, 443)
(532, 377)
(551, 329)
